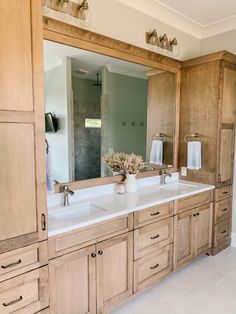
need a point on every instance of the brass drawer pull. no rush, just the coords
(11, 265)
(226, 192)
(155, 237)
(155, 266)
(155, 214)
(223, 231)
(224, 210)
(197, 214)
(13, 302)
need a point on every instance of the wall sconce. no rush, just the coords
(69, 10)
(162, 43)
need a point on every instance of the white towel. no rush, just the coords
(194, 155)
(156, 152)
(49, 171)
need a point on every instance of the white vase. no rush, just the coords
(131, 184)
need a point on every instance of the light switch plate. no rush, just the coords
(183, 171)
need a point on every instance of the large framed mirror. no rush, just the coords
(99, 101)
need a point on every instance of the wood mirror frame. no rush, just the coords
(60, 32)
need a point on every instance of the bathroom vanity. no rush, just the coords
(104, 249)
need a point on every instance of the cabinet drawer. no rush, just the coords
(152, 214)
(19, 261)
(26, 293)
(223, 193)
(222, 232)
(64, 243)
(223, 210)
(152, 237)
(152, 267)
(193, 201)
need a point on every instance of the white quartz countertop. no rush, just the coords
(83, 212)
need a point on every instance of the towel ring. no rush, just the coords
(195, 136)
(159, 136)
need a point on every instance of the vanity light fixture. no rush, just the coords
(69, 10)
(162, 43)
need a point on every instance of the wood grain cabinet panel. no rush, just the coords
(22, 134)
(22, 260)
(152, 237)
(193, 201)
(184, 237)
(16, 56)
(222, 233)
(203, 228)
(223, 210)
(27, 293)
(152, 267)
(152, 214)
(223, 193)
(225, 174)
(73, 283)
(192, 234)
(18, 207)
(228, 96)
(114, 271)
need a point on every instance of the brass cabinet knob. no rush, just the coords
(93, 254)
(100, 252)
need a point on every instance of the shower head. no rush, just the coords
(97, 81)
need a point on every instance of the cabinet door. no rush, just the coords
(226, 156)
(73, 283)
(227, 122)
(22, 146)
(184, 237)
(203, 228)
(114, 271)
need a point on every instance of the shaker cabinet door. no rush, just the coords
(114, 271)
(184, 237)
(203, 228)
(73, 283)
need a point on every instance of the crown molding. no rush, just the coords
(169, 16)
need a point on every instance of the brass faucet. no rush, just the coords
(164, 174)
(66, 192)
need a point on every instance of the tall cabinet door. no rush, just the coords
(184, 237)
(22, 147)
(227, 122)
(203, 228)
(114, 271)
(72, 283)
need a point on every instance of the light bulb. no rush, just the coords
(65, 10)
(84, 17)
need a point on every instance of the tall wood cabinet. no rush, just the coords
(23, 233)
(207, 107)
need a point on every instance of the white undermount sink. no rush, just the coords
(180, 187)
(75, 212)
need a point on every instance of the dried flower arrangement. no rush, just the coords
(124, 163)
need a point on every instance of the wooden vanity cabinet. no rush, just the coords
(93, 279)
(192, 233)
(207, 107)
(23, 228)
(22, 145)
(72, 279)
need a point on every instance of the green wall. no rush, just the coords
(127, 103)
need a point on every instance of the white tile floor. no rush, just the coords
(205, 286)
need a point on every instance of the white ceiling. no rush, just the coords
(88, 62)
(203, 12)
(201, 18)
